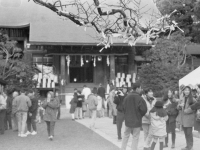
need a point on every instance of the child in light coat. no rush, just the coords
(158, 124)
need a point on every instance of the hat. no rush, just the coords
(182, 87)
(191, 86)
(159, 104)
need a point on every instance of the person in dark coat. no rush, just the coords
(197, 122)
(134, 109)
(119, 100)
(32, 113)
(2, 112)
(187, 116)
(51, 108)
(60, 103)
(8, 120)
(102, 93)
(172, 112)
(79, 111)
(73, 103)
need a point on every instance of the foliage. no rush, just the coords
(13, 68)
(187, 15)
(161, 77)
(167, 64)
(169, 50)
(168, 57)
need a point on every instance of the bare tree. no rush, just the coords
(118, 20)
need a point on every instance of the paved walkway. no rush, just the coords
(69, 135)
(106, 129)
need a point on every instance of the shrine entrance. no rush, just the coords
(82, 74)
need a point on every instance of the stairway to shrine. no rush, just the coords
(69, 90)
(70, 87)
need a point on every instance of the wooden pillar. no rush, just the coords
(56, 64)
(112, 68)
(67, 80)
(63, 76)
(106, 71)
(131, 61)
(27, 54)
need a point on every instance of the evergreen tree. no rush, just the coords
(13, 69)
(187, 15)
(167, 64)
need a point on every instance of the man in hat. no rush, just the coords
(134, 109)
(119, 100)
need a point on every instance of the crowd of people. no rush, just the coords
(21, 110)
(91, 101)
(158, 118)
(137, 107)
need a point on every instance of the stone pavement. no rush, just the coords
(69, 135)
(108, 130)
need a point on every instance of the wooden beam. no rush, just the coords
(86, 54)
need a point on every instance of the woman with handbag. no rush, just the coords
(197, 121)
(73, 103)
(51, 107)
(187, 116)
(92, 102)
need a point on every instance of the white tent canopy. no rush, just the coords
(193, 78)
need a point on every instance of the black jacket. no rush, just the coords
(101, 92)
(33, 108)
(119, 100)
(9, 105)
(134, 109)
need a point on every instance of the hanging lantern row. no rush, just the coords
(94, 59)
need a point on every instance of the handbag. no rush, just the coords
(198, 115)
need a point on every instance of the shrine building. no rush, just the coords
(67, 55)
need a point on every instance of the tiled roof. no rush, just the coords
(45, 25)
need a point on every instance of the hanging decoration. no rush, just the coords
(99, 58)
(162, 25)
(108, 61)
(68, 63)
(82, 63)
(94, 62)
(126, 27)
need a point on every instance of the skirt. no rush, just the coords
(72, 109)
(170, 127)
(197, 126)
